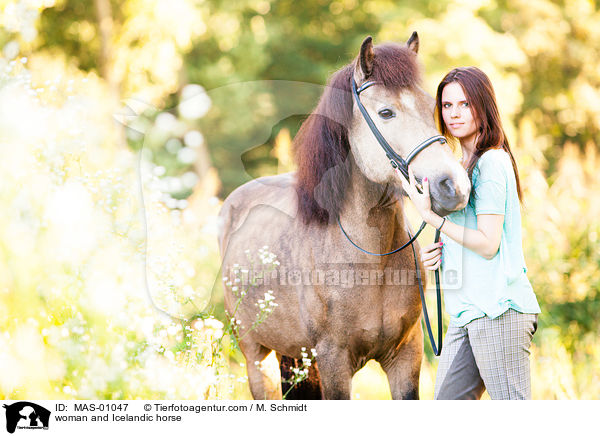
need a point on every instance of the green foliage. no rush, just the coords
(250, 44)
(70, 28)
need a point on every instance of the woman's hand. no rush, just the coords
(431, 256)
(421, 201)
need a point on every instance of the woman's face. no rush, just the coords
(457, 114)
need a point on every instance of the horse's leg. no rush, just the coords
(404, 366)
(335, 370)
(263, 372)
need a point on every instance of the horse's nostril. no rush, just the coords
(446, 187)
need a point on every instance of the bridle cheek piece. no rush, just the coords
(395, 159)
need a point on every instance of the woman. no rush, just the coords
(493, 312)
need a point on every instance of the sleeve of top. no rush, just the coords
(491, 185)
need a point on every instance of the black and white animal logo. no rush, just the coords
(26, 415)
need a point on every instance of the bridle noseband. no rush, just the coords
(401, 164)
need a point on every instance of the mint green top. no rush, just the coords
(473, 285)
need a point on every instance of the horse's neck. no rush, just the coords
(370, 209)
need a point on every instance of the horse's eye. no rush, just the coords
(386, 114)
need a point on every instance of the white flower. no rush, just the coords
(213, 323)
(197, 324)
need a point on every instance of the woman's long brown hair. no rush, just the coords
(482, 101)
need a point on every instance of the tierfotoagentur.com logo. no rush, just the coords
(26, 415)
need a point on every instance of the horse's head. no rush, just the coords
(403, 113)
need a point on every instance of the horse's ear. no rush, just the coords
(365, 59)
(413, 42)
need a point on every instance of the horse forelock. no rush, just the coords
(321, 146)
(395, 66)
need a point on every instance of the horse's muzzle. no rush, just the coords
(446, 195)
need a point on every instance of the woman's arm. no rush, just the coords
(483, 241)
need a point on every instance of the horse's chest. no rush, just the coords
(367, 317)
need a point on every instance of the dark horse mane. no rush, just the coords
(321, 146)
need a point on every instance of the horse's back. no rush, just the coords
(267, 195)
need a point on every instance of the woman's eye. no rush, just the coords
(466, 104)
(386, 114)
(446, 105)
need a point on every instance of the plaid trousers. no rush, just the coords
(490, 354)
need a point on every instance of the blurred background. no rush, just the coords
(125, 123)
